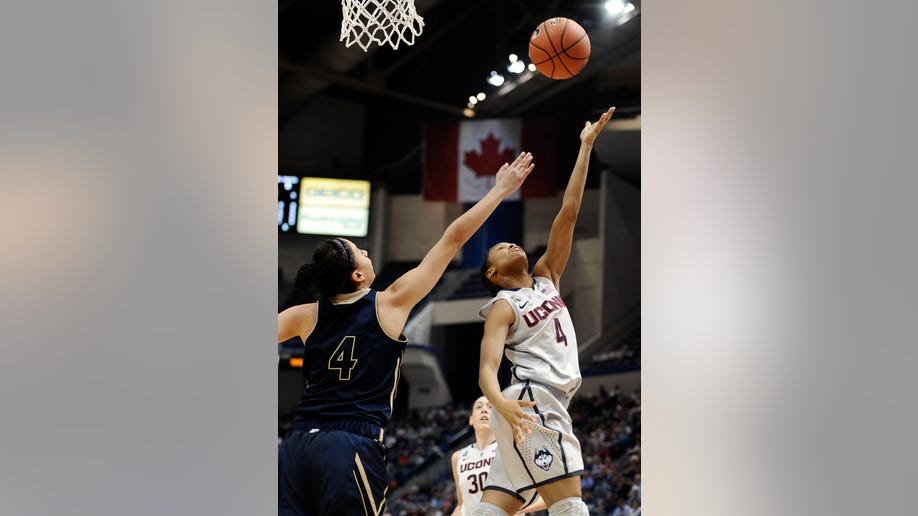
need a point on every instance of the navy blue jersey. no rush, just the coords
(351, 365)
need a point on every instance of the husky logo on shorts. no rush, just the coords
(543, 458)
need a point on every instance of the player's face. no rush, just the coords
(362, 259)
(506, 256)
(481, 414)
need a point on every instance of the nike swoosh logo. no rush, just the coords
(524, 305)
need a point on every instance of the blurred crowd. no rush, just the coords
(608, 425)
(420, 437)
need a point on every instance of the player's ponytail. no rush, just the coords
(329, 273)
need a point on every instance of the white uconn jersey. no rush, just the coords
(472, 470)
(541, 344)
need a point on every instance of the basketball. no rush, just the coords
(559, 48)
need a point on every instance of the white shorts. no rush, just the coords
(550, 453)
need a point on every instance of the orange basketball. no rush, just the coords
(559, 48)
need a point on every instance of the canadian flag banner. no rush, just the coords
(461, 158)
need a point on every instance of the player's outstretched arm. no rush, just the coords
(409, 289)
(553, 262)
(497, 324)
(296, 321)
(455, 461)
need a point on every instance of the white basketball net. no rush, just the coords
(379, 21)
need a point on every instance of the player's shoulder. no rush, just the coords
(502, 300)
(303, 310)
(462, 452)
(299, 320)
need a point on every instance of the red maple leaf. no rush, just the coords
(489, 161)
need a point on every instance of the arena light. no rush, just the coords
(629, 8)
(531, 67)
(481, 95)
(495, 79)
(516, 67)
(513, 58)
(615, 7)
(473, 100)
(468, 112)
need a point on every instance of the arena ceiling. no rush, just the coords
(461, 43)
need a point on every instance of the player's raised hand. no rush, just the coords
(514, 414)
(511, 175)
(591, 130)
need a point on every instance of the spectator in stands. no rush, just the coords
(621, 509)
(635, 507)
(354, 346)
(587, 482)
(636, 488)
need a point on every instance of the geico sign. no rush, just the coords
(348, 194)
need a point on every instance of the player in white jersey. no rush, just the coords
(472, 463)
(527, 319)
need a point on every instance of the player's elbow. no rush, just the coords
(453, 237)
(570, 207)
(567, 215)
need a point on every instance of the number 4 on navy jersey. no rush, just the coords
(342, 359)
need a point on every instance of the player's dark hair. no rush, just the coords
(488, 285)
(329, 273)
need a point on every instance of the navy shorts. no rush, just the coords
(323, 470)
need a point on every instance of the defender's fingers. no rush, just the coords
(607, 115)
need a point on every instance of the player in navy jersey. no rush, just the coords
(333, 461)
(528, 321)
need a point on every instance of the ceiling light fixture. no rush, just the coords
(615, 7)
(495, 79)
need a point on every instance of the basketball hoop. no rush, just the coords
(379, 21)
